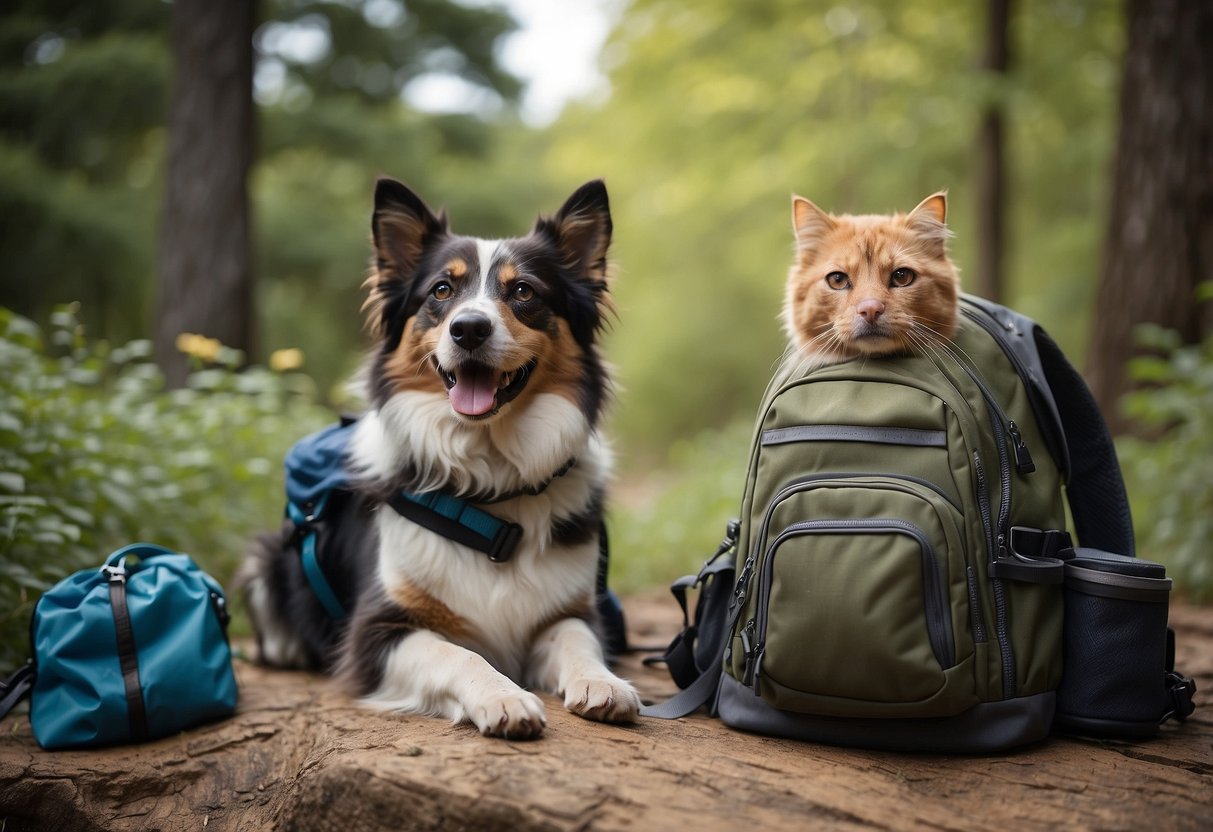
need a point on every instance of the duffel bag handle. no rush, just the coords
(139, 550)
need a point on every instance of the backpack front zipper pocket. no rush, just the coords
(862, 615)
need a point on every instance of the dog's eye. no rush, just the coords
(523, 292)
(902, 277)
(442, 291)
(838, 280)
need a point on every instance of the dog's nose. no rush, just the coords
(471, 329)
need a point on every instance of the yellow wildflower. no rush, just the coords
(199, 346)
(282, 361)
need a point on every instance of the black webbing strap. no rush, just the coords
(127, 657)
(1180, 688)
(15, 687)
(1096, 490)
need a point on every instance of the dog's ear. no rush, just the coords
(402, 225)
(582, 230)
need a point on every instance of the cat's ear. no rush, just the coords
(928, 220)
(934, 207)
(810, 223)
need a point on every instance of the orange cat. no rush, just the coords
(870, 285)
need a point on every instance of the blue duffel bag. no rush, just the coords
(129, 652)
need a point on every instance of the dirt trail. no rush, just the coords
(299, 756)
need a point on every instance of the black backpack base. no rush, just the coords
(983, 729)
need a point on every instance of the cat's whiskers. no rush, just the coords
(953, 351)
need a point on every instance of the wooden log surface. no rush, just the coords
(300, 756)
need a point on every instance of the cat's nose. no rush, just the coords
(870, 309)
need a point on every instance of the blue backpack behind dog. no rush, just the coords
(316, 478)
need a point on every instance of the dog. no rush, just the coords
(486, 383)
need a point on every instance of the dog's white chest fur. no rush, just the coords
(505, 603)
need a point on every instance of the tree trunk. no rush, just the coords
(205, 273)
(1160, 234)
(991, 160)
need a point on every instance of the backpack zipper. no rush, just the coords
(1000, 598)
(1023, 457)
(798, 484)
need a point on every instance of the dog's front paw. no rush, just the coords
(606, 699)
(512, 715)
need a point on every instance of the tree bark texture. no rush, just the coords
(1160, 235)
(204, 261)
(991, 159)
(300, 756)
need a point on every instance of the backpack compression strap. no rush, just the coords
(306, 532)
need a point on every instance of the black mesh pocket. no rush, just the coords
(1114, 646)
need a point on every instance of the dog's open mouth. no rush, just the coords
(478, 391)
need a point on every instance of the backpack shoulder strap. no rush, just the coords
(1095, 489)
(1073, 427)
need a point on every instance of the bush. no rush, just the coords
(1170, 473)
(94, 454)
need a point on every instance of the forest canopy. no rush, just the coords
(716, 113)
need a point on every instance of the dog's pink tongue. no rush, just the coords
(475, 391)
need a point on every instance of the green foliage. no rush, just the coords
(719, 111)
(1168, 473)
(94, 454)
(83, 88)
(83, 100)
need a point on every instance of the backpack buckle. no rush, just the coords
(504, 542)
(115, 573)
(1179, 690)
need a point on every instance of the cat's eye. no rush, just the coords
(838, 280)
(902, 277)
(523, 292)
(442, 291)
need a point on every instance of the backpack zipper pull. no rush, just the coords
(747, 647)
(1023, 457)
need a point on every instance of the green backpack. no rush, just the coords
(902, 575)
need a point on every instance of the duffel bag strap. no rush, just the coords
(128, 658)
(16, 687)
